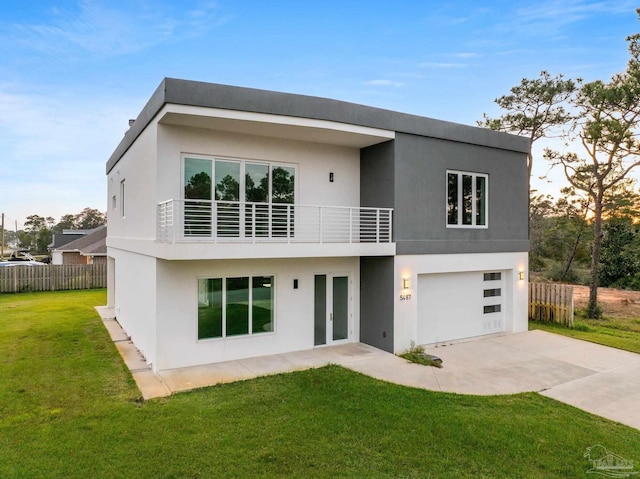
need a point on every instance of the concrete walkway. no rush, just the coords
(602, 380)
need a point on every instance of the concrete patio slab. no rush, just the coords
(149, 384)
(601, 380)
(184, 379)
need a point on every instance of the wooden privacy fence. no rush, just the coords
(53, 277)
(551, 303)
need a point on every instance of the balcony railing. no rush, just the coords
(233, 222)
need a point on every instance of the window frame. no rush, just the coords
(251, 333)
(242, 183)
(459, 200)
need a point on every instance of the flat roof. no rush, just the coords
(212, 95)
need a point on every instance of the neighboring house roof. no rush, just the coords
(67, 236)
(211, 95)
(60, 240)
(92, 244)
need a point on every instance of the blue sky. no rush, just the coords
(73, 72)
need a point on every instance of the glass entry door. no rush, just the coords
(331, 309)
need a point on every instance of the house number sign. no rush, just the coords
(405, 297)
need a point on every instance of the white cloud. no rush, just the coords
(384, 83)
(551, 16)
(96, 28)
(466, 55)
(443, 65)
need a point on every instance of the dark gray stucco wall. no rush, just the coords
(421, 164)
(376, 302)
(376, 175)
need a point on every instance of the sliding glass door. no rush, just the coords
(251, 198)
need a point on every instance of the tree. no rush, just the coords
(198, 187)
(37, 235)
(67, 222)
(606, 124)
(620, 256)
(32, 227)
(228, 189)
(535, 108)
(559, 233)
(282, 185)
(90, 218)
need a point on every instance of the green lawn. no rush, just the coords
(621, 333)
(68, 408)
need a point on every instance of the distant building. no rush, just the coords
(89, 247)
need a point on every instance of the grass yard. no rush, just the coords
(619, 328)
(621, 333)
(69, 408)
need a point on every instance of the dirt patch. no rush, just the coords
(614, 302)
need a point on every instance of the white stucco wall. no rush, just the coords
(134, 298)
(411, 266)
(314, 161)
(138, 168)
(177, 303)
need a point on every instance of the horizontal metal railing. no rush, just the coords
(233, 221)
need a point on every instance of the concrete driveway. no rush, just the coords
(602, 380)
(598, 379)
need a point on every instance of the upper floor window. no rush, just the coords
(238, 180)
(122, 191)
(238, 198)
(466, 199)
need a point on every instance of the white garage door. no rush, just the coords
(459, 305)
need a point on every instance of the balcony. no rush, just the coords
(232, 221)
(282, 230)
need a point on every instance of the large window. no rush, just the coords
(251, 198)
(235, 306)
(466, 199)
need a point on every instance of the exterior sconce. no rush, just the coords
(521, 275)
(405, 294)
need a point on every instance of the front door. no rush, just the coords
(331, 311)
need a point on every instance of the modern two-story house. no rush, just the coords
(245, 222)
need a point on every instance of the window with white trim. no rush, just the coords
(235, 306)
(467, 203)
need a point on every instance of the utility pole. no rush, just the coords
(2, 239)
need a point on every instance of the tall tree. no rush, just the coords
(32, 227)
(37, 233)
(607, 124)
(90, 218)
(535, 109)
(67, 222)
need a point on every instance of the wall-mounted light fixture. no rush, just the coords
(405, 294)
(521, 275)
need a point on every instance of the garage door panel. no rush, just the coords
(455, 306)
